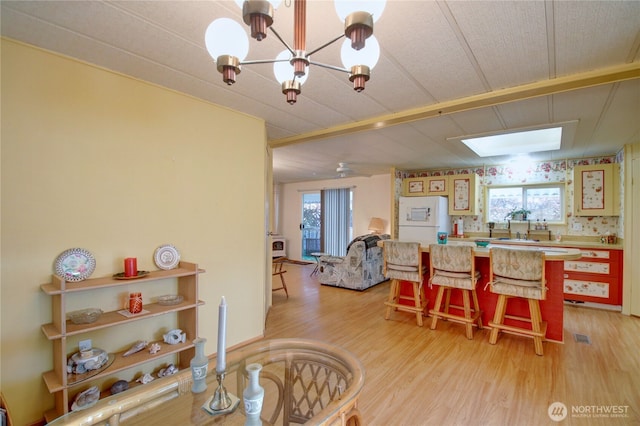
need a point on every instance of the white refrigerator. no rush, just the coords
(421, 218)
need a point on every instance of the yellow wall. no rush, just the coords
(117, 166)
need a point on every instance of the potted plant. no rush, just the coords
(519, 214)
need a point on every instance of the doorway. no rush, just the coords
(326, 223)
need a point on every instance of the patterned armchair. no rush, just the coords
(360, 269)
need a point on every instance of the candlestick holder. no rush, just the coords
(221, 402)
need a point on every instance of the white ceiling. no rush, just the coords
(447, 69)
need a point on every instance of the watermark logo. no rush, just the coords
(557, 411)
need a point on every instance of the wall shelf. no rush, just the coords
(61, 384)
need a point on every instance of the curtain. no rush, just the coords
(335, 220)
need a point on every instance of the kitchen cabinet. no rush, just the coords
(596, 190)
(64, 385)
(463, 195)
(596, 277)
(438, 185)
(414, 187)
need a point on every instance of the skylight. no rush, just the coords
(516, 142)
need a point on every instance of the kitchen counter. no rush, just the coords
(552, 308)
(595, 280)
(552, 253)
(564, 243)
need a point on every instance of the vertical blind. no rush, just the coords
(335, 220)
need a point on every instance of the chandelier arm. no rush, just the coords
(263, 61)
(282, 41)
(325, 45)
(331, 67)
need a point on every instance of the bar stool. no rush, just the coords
(518, 273)
(453, 267)
(403, 262)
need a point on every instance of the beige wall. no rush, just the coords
(631, 287)
(101, 161)
(371, 198)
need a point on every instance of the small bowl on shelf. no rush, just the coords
(85, 316)
(482, 243)
(170, 299)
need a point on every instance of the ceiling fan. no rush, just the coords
(343, 170)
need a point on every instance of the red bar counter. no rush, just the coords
(552, 308)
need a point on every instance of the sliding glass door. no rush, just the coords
(326, 222)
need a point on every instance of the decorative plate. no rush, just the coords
(166, 257)
(122, 276)
(74, 378)
(75, 264)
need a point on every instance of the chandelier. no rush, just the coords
(228, 45)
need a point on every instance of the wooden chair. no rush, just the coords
(518, 273)
(278, 264)
(453, 267)
(403, 262)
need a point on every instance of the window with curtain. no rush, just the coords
(542, 201)
(335, 220)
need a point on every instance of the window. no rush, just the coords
(544, 202)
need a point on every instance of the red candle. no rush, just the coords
(130, 267)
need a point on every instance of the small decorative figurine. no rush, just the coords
(86, 399)
(175, 336)
(154, 348)
(119, 386)
(145, 379)
(137, 347)
(168, 371)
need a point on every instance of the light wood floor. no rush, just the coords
(419, 376)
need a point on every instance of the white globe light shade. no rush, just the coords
(368, 55)
(274, 3)
(225, 36)
(345, 8)
(284, 70)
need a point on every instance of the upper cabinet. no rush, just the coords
(414, 187)
(596, 190)
(438, 185)
(421, 186)
(463, 195)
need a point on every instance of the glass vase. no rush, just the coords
(199, 365)
(253, 395)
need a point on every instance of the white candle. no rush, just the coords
(221, 364)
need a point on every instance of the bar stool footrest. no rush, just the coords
(521, 331)
(456, 318)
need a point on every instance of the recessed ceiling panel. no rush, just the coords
(518, 50)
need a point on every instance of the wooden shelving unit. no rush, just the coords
(59, 383)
